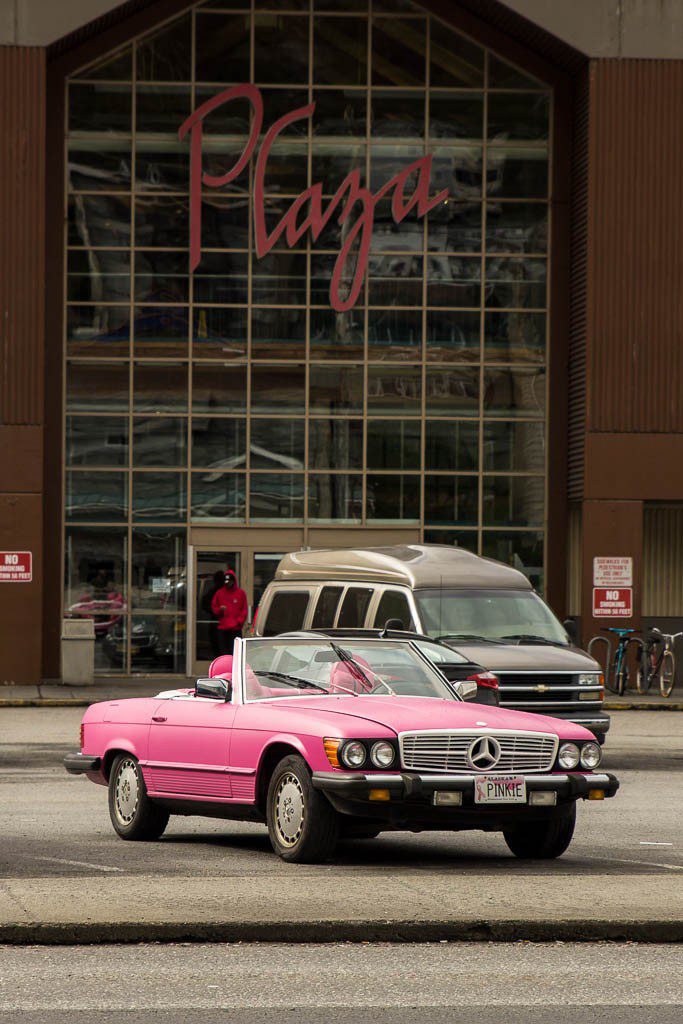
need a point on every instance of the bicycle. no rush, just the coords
(617, 679)
(656, 661)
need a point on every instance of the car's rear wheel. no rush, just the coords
(302, 824)
(543, 840)
(132, 813)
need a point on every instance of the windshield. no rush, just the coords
(510, 616)
(296, 668)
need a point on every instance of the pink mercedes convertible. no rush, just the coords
(326, 738)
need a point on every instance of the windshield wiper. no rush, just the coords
(532, 638)
(294, 681)
(354, 667)
(467, 636)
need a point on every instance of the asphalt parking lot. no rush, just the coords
(63, 869)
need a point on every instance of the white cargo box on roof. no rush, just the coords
(411, 565)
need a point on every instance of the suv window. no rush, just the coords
(393, 605)
(287, 612)
(354, 607)
(326, 608)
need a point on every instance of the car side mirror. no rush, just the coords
(570, 629)
(218, 688)
(466, 689)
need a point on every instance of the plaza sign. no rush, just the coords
(352, 204)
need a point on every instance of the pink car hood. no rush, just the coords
(406, 714)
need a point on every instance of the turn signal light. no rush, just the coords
(379, 794)
(596, 794)
(331, 749)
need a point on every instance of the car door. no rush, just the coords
(189, 746)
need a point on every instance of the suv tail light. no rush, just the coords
(486, 679)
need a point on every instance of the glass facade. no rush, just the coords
(236, 395)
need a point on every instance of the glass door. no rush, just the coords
(264, 567)
(208, 569)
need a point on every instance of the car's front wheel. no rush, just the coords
(132, 813)
(543, 840)
(302, 824)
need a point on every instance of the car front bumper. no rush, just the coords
(596, 720)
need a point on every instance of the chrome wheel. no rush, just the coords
(289, 809)
(127, 791)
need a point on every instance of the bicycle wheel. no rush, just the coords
(644, 670)
(611, 676)
(667, 674)
(622, 678)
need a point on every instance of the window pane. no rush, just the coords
(277, 444)
(159, 441)
(161, 164)
(164, 56)
(458, 168)
(515, 337)
(453, 336)
(161, 276)
(97, 275)
(397, 114)
(219, 388)
(98, 163)
(452, 445)
(276, 497)
(161, 221)
(394, 334)
(97, 331)
(456, 116)
(159, 497)
(453, 281)
(221, 277)
(395, 280)
(505, 76)
(225, 218)
(393, 499)
(93, 105)
(453, 392)
(222, 47)
(514, 392)
(114, 68)
(451, 500)
(218, 443)
(466, 539)
(158, 568)
(101, 387)
(333, 161)
(393, 389)
(455, 60)
(354, 607)
(218, 496)
(393, 444)
(335, 498)
(336, 389)
(517, 227)
(219, 333)
(335, 444)
(515, 282)
(454, 227)
(95, 583)
(278, 333)
(522, 550)
(96, 497)
(398, 51)
(279, 279)
(96, 441)
(326, 608)
(518, 115)
(161, 108)
(393, 605)
(340, 112)
(278, 389)
(157, 644)
(287, 612)
(336, 335)
(99, 220)
(160, 387)
(514, 500)
(516, 447)
(281, 48)
(340, 51)
(160, 331)
(520, 171)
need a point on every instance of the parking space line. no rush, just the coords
(641, 863)
(77, 863)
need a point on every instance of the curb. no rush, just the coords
(298, 932)
(643, 706)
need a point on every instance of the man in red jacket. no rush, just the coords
(230, 605)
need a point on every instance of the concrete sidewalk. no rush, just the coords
(408, 905)
(55, 695)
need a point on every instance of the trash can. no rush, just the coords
(78, 651)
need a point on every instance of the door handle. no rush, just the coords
(158, 718)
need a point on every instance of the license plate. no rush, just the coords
(500, 789)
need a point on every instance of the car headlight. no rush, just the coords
(568, 756)
(591, 756)
(589, 679)
(354, 754)
(382, 754)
